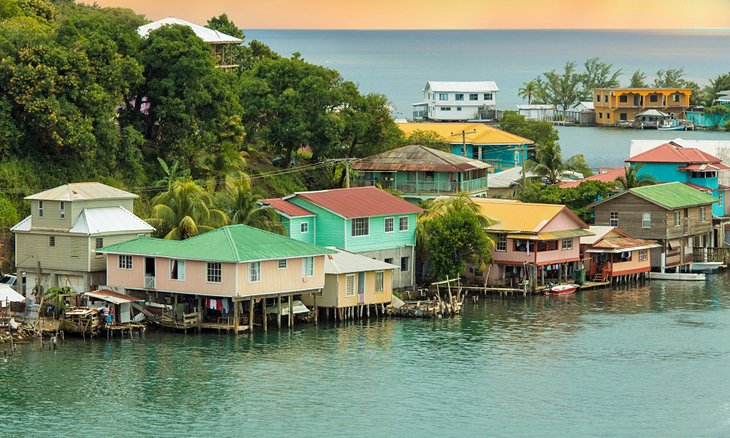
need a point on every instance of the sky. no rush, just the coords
(442, 14)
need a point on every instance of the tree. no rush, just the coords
(597, 74)
(638, 80)
(225, 168)
(670, 78)
(235, 53)
(718, 114)
(631, 178)
(427, 138)
(185, 211)
(242, 207)
(539, 131)
(528, 90)
(560, 89)
(578, 199)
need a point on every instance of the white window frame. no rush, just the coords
(445, 108)
(443, 96)
(501, 243)
(124, 261)
(350, 285)
(63, 209)
(304, 227)
(569, 245)
(283, 265)
(613, 218)
(254, 272)
(643, 255)
(354, 228)
(459, 97)
(488, 96)
(677, 218)
(400, 223)
(180, 269)
(52, 241)
(307, 266)
(379, 281)
(703, 214)
(40, 208)
(473, 97)
(213, 270)
(646, 219)
(392, 224)
(408, 264)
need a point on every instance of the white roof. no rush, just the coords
(343, 262)
(536, 106)
(109, 220)
(599, 232)
(587, 105)
(82, 192)
(507, 178)
(204, 33)
(466, 87)
(23, 225)
(652, 113)
(7, 294)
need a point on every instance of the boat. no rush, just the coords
(678, 127)
(561, 289)
(680, 276)
(704, 266)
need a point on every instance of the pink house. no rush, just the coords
(536, 243)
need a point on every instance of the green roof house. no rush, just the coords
(676, 215)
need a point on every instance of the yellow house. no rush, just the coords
(354, 283)
(621, 105)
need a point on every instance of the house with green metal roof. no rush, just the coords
(676, 215)
(210, 276)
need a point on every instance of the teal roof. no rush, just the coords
(233, 243)
(673, 195)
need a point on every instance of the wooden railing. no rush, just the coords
(711, 255)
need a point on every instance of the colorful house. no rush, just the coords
(535, 243)
(362, 220)
(500, 149)
(454, 101)
(355, 281)
(676, 216)
(420, 172)
(670, 162)
(621, 105)
(612, 254)
(57, 244)
(204, 280)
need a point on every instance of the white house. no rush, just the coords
(456, 101)
(537, 111)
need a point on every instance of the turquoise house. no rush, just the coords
(362, 220)
(671, 162)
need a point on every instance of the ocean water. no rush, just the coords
(648, 361)
(399, 63)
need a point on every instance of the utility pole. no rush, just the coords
(463, 135)
(521, 157)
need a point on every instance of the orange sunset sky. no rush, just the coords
(444, 14)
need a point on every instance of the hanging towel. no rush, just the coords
(225, 306)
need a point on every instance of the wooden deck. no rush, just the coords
(594, 284)
(220, 326)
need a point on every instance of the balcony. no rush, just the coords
(149, 281)
(428, 187)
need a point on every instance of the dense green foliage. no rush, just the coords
(577, 199)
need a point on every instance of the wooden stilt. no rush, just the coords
(251, 305)
(200, 312)
(264, 316)
(368, 310)
(316, 310)
(291, 311)
(278, 312)
(235, 315)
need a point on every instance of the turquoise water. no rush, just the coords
(645, 361)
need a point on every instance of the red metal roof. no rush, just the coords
(359, 202)
(700, 188)
(673, 153)
(622, 243)
(607, 176)
(286, 207)
(704, 167)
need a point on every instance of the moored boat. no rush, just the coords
(561, 289)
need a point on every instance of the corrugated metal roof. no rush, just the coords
(672, 195)
(599, 232)
(609, 176)
(232, 243)
(507, 178)
(476, 133)
(109, 220)
(672, 152)
(536, 106)
(359, 202)
(23, 225)
(204, 33)
(343, 262)
(466, 87)
(83, 191)
(287, 208)
(418, 158)
(624, 243)
(515, 216)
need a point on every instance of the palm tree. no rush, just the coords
(242, 207)
(631, 178)
(185, 211)
(225, 169)
(528, 90)
(550, 166)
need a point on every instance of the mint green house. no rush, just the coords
(362, 220)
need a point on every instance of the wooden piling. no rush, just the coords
(251, 305)
(278, 312)
(264, 317)
(291, 311)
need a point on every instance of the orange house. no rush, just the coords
(614, 106)
(611, 253)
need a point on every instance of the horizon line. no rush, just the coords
(658, 29)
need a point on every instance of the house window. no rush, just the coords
(646, 220)
(474, 96)
(547, 245)
(350, 285)
(389, 224)
(389, 260)
(501, 244)
(458, 108)
(703, 214)
(282, 264)
(63, 209)
(521, 245)
(379, 281)
(675, 98)
(598, 98)
(643, 255)
(304, 227)
(403, 223)
(308, 267)
(608, 116)
(40, 208)
(254, 272)
(566, 244)
(125, 262)
(605, 98)
(360, 226)
(446, 108)
(404, 264)
(52, 241)
(653, 98)
(613, 219)
(677, 218)
(487, 96)
(443, 96)
(214, 272)
(459, 96)
(177, 269)
(623, 117)
(623, 99)
(600, 115)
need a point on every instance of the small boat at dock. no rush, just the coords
(561, 289)
(679, 276)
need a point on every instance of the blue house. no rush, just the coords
(362, 220)
(671, 162)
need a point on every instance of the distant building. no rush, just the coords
(621, 105)
(56, 245)
(420, 172)
(457, 101)
(498, 148)
(219, 42)
(504, 184)
(537, 111)
(603, 175)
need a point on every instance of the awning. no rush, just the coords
(8, 295)
(674, 244)
(553, 235)
(113, 297)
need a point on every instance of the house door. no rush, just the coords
(360, 287)
(149, 272)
